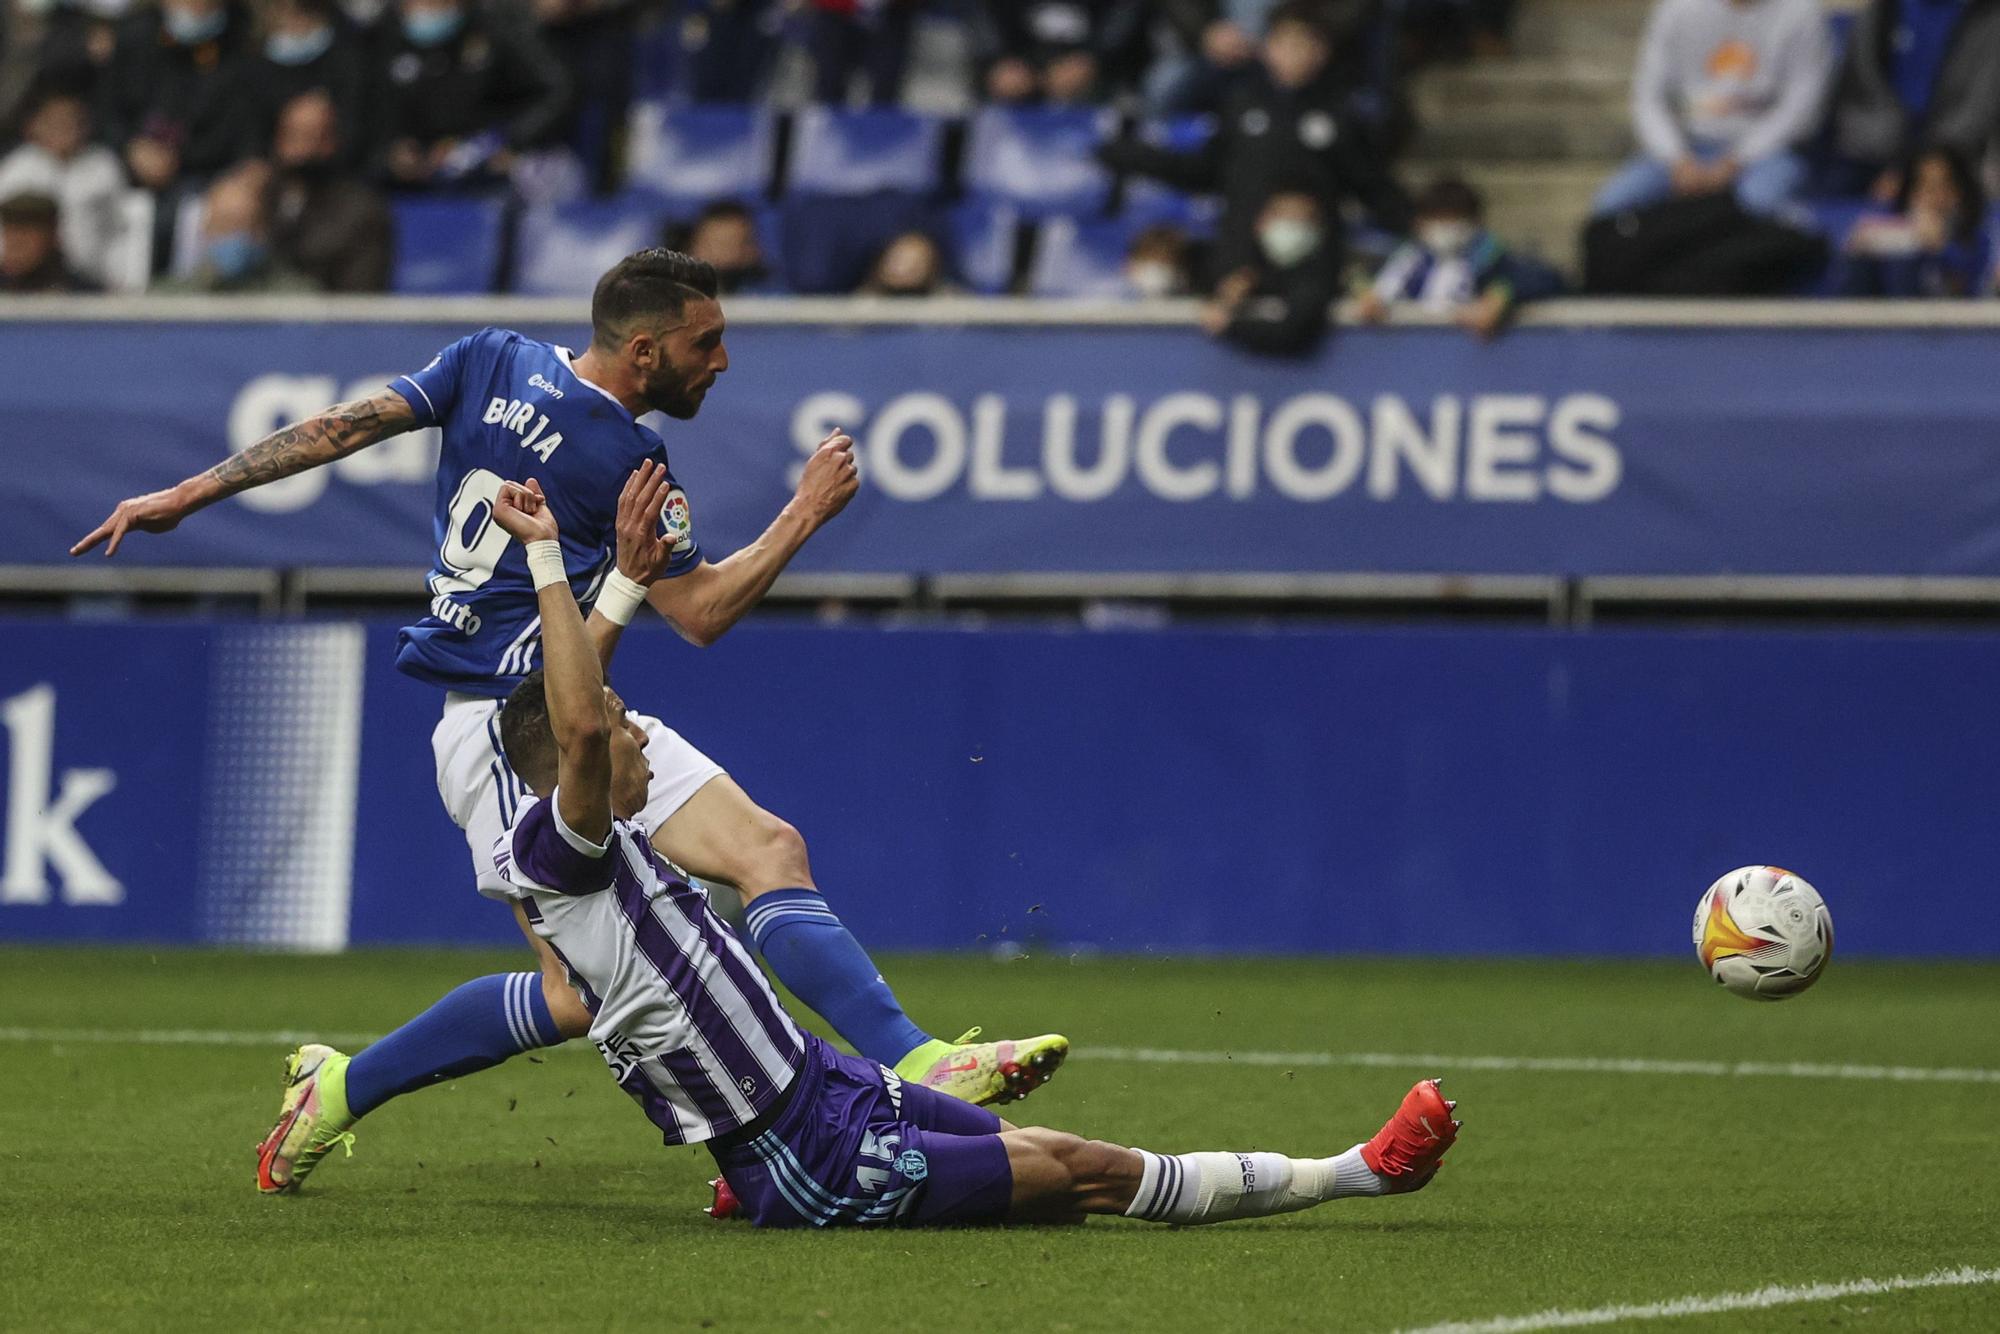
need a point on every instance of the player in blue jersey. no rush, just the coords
(805, 1135)
(509, 406)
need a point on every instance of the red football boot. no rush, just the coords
(726, 1204)
(1406, 1152)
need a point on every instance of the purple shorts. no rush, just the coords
(857, 1145)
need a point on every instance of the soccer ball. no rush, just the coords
(1763, 933)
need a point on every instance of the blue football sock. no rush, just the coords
(814, 954)
(478, 1025)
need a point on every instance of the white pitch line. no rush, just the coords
(1776, 1295)
(183, 1037)
(1566, 1065)
(1569, 1065)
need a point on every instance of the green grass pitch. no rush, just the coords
(535, 1196)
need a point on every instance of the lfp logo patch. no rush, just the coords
(677, 521)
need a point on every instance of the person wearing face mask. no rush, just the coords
(1453, 265)
(1933, 243)
(1281, 303)
(1285, 128)
(310, 46)
(465, 89)
(725, 236)
(325, 224)
(236, 254)
(78, 40)
(1156, 264)
(176, 92)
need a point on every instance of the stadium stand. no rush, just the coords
(448, 246)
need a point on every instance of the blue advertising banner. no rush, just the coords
(1464, 791)
(1566, 451)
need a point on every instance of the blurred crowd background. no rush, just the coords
(1268, 156)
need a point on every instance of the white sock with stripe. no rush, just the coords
(1216, 1187)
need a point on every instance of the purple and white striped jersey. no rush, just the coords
(682, 1013)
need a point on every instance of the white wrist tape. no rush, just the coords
(620, 598)
(545, 563)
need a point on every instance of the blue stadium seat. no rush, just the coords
(828, 243)
(981, 240)
(447, 245)
(837, 152)
(561, 249)
(1148, 201)
(1038, 159)
(689, 156)
(1081, 258)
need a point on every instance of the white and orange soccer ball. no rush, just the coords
(1763, 933)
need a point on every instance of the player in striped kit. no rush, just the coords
(508, 405)
(805, 1135)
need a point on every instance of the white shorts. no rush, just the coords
(481, 793)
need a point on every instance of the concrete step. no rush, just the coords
(1526, 109)
(1524, 136)
(1594, 30)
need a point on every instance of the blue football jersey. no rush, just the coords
(511, 408)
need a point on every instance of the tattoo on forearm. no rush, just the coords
(329, 435)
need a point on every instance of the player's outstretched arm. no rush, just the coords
(572, 678)
(706, 601)
(643, 553)
(335, 433)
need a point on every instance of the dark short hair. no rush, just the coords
(31, 209)
(527, 735)
(1449, 194)
(1964, 178)
(722, 210)
(654, 285)
(1305, 13)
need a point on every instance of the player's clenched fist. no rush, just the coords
(831, 477)
(523, 512)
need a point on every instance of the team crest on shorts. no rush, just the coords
(913, 1165)
(676, 520)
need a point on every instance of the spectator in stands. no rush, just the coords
(176, 93)
(79, 41)
(725, 235)
(726, 47)
(1933, 244)
(1156, 263)
(310, 46)
(1452, 30)
(236, 254)
(593, 40)
(1286, 129)
(1066, 51)
(1454, 266)
(868, 36)
(325, 224)
(1725, 91)
(466, 89)
(1917, 73)
(31, 257)
(910, 265)
(57, 159)
(1213, 48)
(1281, 302)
